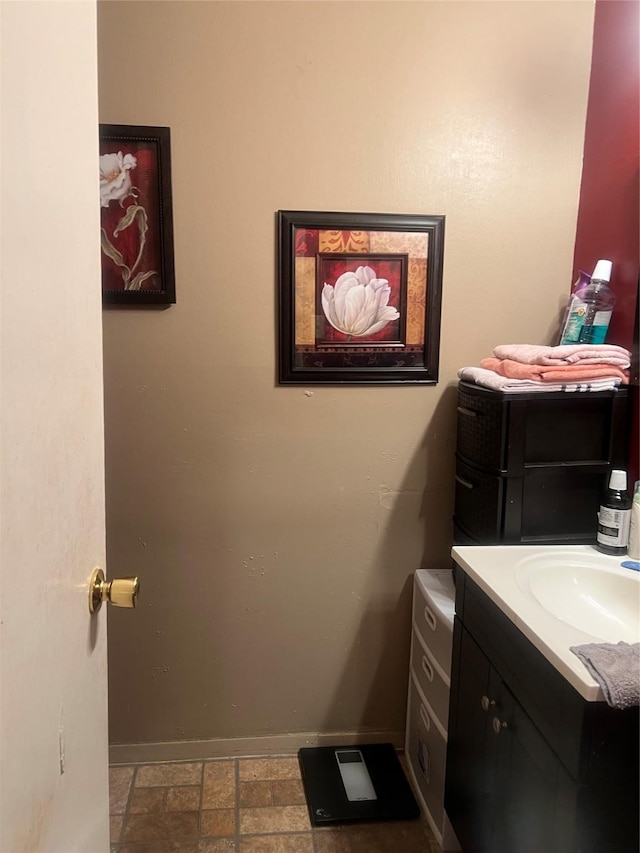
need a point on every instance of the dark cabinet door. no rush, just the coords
(506, 791)
(469, 781)
(534, 797)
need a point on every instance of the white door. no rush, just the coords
(53, 693)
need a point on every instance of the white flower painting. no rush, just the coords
(358, 304)
(116, 185)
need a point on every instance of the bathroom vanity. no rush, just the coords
(537, 761)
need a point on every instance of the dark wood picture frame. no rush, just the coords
(136, 215)
(359, 298)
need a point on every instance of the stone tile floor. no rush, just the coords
(237, 805)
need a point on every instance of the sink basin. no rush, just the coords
(559, 596)
(601, 600)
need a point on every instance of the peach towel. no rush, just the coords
(565, 354)
(562, 373)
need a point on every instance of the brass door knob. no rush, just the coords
(122, 592)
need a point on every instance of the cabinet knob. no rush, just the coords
(498, 725)
(487, 703)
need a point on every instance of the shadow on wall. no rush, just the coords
(383, 636)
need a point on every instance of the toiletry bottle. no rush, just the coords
(634, 527)
(591, 307)
(573, 315)
(614, 516)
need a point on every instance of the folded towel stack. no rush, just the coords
(522, 368)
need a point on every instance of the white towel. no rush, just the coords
(491, 379)
(594, 385)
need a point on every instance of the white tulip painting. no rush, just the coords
(358, 304)
(359, 297)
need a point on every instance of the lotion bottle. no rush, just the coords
(614, 516)
(634, 527)
(575, 311)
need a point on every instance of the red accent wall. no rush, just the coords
(609, 209)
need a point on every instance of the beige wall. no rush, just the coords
(275, 530)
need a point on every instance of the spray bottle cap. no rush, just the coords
(602, 272)
(618, 481)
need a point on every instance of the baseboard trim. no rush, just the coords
(200, 750)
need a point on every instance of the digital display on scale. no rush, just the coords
(355, 776)
(350, 757)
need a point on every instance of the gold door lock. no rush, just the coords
(122, 592)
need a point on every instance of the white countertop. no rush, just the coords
(505, 572)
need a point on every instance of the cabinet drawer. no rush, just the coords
(478, 503)
(433, 610)
(426, 749)
(558, 504)
(482, 427)
(431, 679)
(546, 504)
(505, 433)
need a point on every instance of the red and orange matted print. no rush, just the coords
(360, 299)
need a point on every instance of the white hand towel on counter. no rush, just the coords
(616, 668)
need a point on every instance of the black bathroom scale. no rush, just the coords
(355, 783)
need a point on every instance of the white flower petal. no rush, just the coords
(108, 164)
(344, 284)
(347, 280)
(365, 274)
(382, 295)
(115, 182)
(354, 304)
(372, 301)
(329, 307)
(367, 314)
(384, 317)
(327, 301)
(375, 328)
(388, 314)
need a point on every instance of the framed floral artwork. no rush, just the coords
(359, 298)
(136, 219)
